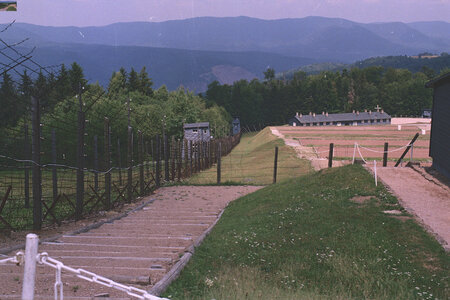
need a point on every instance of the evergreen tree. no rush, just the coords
(145, 83)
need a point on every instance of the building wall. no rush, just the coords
(202, 134)
(440, 129)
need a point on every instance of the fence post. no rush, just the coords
(219, 162)
(186, 162)
(107, 164)
(158, 167)
(27, 171)
(190, 158)
(166, 158)
(29, 273)
(54, 173)
(119, 161)
(275, 165)
(385, 154)
(36, 158)
(179, 160)
(146, 153)
(330, 156)
(173, 154)
(130, 165)
(80, 161)
(96, 163)
(141, 162)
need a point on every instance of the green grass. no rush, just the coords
(252, 162)
(304, 239)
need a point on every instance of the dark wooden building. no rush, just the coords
(355, 118)
(440, 124)
(197, 132)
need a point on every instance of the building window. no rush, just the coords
(205, 131)
(194, 130)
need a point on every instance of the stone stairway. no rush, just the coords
(137, 250)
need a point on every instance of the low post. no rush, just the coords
(219, 163)
(275, 165)
(330, 156)
(190, 158)
(385, 154)
(29, 273)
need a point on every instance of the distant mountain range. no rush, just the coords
(193, 52)
(413, 64)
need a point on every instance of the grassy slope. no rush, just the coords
(251, 162)
(304, 239)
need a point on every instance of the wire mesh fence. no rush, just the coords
(50, 174)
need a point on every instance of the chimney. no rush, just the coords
(323, 113)
(326, 114)
(310, 113)
(353, 111)
(365, 110)
(314, 115)
(301, 115)
(370, 112)
(296, 114)
(357, 112)
(382, 111)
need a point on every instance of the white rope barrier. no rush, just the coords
(390, 151)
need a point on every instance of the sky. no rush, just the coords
(103, 12)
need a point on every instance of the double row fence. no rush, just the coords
(44, 181)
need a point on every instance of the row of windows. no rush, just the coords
(347, 122)
(205, 131)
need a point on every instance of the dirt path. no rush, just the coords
(422, 197)
(138, 249)
(305, 152)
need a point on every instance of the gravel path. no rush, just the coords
(422, 197)
(137, 249)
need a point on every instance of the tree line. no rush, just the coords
(129, 93)
(273, 101)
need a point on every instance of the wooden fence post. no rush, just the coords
(186, 162)
(141, 162)
(130, 164)
(27, 156)
(385, 154)
(80, 159)
(107, 168)
(119, 162)
(158, 166)
(54, 172)
(330, 156)
(219, 163)
(96, 163)
(179, 160)
(275, 165)
(173, 150)
(190, 158)
(166, 158)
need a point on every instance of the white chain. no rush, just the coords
(17, 259)
(44, 259)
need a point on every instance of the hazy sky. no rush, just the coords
(102, 12)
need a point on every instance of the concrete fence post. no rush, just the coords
(29, 274)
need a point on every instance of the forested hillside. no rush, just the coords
(274, 101)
